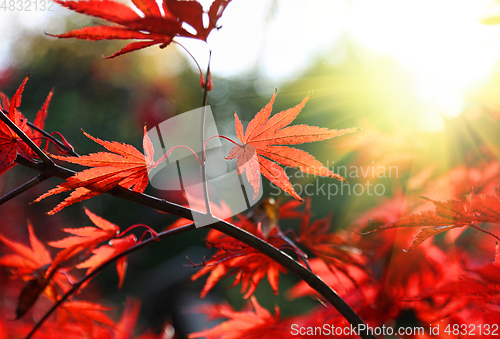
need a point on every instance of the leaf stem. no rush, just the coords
(46, 160)
(152, 231)
(192, 57)
(219, 136)
(167, 154)
(485, 231)
(24, 187)
(99, 268)
(202, 134)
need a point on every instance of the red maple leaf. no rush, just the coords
(236, 258)
(11, 144)
(85, 238)
(125, 167)
(26, 260)
(264, 139)
(450, 215)
(246, 324)
(152, 27)
(106, 252)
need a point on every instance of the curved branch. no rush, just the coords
(58, 143)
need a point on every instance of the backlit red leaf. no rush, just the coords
(263, 140)
(125, 167)
(85, 238)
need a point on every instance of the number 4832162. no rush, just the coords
(26, 5)
(472, 329)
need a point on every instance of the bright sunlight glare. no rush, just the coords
(441, 42)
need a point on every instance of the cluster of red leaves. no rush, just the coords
(11, 144)
(156, 26)
(87, 238)
(45, 276)
(438, 287)
(428, 281)
(264, 138)
(236, 258)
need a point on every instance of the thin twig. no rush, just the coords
(69, 150)
(202, 133)
(99, 268)
(46, 160)
(485, 231)
(24, 187)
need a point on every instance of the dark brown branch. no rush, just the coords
(280, 257)
(99, 268)
(41, 154)
(24, 187)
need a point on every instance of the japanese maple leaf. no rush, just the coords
(246, 324)
(125, 167)
(150, 27)
(11, 144)
(450, 215)
(236, 258)
(262, 147)
(85, 238)
(106, 252)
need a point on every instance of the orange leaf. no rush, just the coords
(264, 138)
(125, 167)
